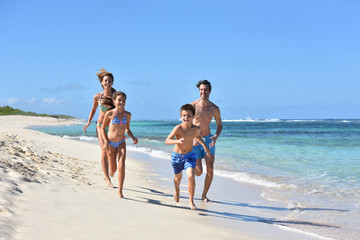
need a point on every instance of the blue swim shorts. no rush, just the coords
(183, 161)
(199, 149)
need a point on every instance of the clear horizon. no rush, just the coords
(265, 60)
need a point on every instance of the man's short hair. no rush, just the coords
(188, 107)
(206, 82)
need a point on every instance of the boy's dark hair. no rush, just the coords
(118, 93)
(188, 107)
(206, 82)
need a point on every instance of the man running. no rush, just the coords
(205, 112)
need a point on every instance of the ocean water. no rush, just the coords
(306, 164)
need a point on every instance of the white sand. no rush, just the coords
(53, 188)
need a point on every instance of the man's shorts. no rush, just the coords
(199, 149)
(183, 161)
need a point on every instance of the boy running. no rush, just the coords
(183, 156)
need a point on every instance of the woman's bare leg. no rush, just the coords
(103, 157)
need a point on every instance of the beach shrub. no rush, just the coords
(7, 110)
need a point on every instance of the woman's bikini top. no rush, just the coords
(117, 121)
(101, 106)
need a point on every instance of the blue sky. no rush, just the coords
(265, 59)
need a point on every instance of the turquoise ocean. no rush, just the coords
(302, 163)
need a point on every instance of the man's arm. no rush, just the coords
(218, 121)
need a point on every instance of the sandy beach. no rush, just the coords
(53, 188)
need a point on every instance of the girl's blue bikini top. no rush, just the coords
(117, 121)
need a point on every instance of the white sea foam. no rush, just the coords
(247, 178)
(152, 140)
(86, 138)
(303, 232)
(151, 152)
(252, 120)
(304, 120)
(71, 137)
(81, 138)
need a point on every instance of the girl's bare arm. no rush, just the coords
(128, 131)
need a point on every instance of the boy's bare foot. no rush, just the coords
(176, 196)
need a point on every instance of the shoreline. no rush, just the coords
(232, 203)
(58, 183)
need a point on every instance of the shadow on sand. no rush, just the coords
(233, 216)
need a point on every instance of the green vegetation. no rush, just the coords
(7, 110)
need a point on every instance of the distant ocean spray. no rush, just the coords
(300, 162)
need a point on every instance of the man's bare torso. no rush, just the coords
(203, 115)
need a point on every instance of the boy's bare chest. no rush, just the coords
(187, 133)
